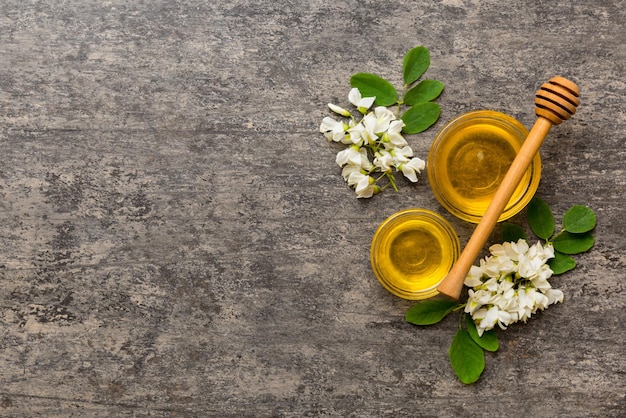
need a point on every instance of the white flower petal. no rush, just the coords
(354, 96)
(367, 102)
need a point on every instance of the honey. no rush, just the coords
(469, 158)
(412, 251)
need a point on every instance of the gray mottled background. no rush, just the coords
(176, 240)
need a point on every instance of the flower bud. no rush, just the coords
(339, 110)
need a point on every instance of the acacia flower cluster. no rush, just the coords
(375, 146)
(510, 285)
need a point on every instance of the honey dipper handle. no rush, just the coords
(452, 285)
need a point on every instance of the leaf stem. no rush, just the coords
(461, 317)
(392, 181)
(461, 306)
(554, 236)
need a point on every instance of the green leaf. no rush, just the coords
(420, 117)
(540, 218)
(425, 91)
(466, 357)
(579, 219)
(561, 263)
(416, 62)
(489, 340)
(512, 232)
(569, 243)
(371, 85)
(429, 312)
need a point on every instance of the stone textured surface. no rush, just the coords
(175, 238)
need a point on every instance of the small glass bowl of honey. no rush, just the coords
(412, 251)
(469, 158)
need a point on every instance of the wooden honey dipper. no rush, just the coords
(555, 102)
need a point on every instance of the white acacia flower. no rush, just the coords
(365, 186)
(393, 137)
(361, 103)
(351, 155)
(371, 128)
(477, 299)
(542, 252)
(375, 145)
(554, 296)
(529, 267)
(384, 117)
(510, 285)
(490, 319)
(350, 167)
(541, 282)
(348, 170)
(412, 168)
(384, 161)
(366, 164)
(474, 276)
(525, 304)
(333, 130)
(403, 155)
(510, 249)
(493, 316)
(499, 266)
(541, 301)
(491, 284)
(357, 134)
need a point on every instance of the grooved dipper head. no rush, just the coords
(557, 100)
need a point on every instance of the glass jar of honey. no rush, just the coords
(469, 158)
(412, 251)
